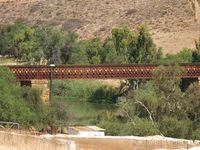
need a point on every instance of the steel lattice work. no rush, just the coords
(104, 71)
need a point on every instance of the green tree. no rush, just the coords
(23, 43)
(2, 32)
(108, 54)
(73, 52)
(162, 97)
(141, 46)
(93, 47)
(8, 33)
(22, 104)
(50, 41)
(134, 47)
(120, 36)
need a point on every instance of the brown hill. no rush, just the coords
(172, 22)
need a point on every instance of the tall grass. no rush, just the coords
(94, 90)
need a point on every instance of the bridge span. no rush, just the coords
(38, 75)
(102, 71)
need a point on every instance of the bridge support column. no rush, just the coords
(42, 85)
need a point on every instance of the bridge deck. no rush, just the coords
(103, 71)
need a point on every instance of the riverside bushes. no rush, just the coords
(92, 90)
(22, 104)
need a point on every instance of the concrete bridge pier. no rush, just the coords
(42, 85)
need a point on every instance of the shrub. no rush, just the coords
(196, 134)
(193, 5)
(95, 91)
(131, 11)
(72, 24)
(172, 127)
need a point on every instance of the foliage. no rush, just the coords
(22, 104)
(161, 101)
(108, 52)
(172, 127)
(73, 52)
(134, 47)
(8, 33)
(93, 47)
(48, 44)
(23, 44)
(94, 91)
(63, 111)
(115, 125)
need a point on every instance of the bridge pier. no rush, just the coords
(42, 85)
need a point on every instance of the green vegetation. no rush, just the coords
(158, 106)
(36, 45)
(161, 101)
(93, 91)
(22, 104)
(193, 6)
(6, 60)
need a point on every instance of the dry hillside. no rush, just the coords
(172, 22)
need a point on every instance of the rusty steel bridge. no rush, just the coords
(103, 71)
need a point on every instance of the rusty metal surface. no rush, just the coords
(103, 71)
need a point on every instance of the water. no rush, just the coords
(85, 111)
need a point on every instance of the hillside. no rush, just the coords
(172, 22)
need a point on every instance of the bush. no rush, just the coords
(95, 91)
(172, 127)
(117, 125)
(72, 24)
(63, 110)
(196, 134)
(132, 11)
(22, 104)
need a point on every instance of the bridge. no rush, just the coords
(37, 75)
(103, 71)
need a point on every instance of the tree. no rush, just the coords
(22, 103)
(141, 46)
(134, 47)
(2, 32)
(50, 41)
(93, 47)
(108, 54)
(23, 43)
(8, 33)
(120, 36)
(161, 97)
(63, 110)
(73, 52)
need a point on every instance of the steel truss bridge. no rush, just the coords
(103, 71)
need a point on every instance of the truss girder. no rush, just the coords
(104, 71)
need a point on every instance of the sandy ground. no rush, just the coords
(174, 42)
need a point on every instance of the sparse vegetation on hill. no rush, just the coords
(97, 18)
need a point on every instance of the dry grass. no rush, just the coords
(10, 141)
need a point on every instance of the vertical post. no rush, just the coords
(51, 65)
